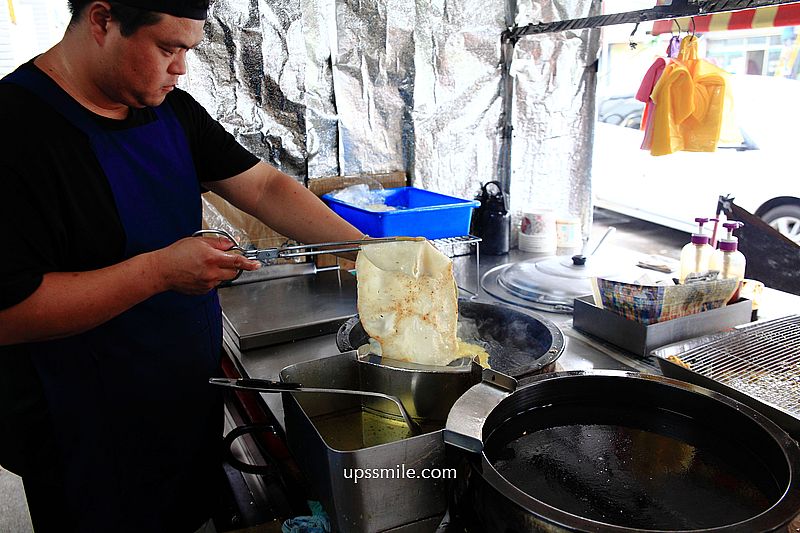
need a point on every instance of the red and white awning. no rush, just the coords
(763, 17)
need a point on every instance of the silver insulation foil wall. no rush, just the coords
(249, 74)
(554, 112)
(339, 87)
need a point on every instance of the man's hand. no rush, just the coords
(195, 265)
(67, 303)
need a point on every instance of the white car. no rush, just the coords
(671, 190)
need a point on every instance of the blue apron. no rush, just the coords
(136, 422)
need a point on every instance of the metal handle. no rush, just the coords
(232, 460)
(327, 247)
(299, 250)
(606, 235)
(580, 259)
(234, 248)
(265, 385)
(220, 233)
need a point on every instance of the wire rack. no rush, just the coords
(761, 361)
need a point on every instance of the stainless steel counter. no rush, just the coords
(581, 353)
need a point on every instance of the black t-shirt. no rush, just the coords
(56, 199)
(58, 211)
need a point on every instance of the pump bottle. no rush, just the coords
(727, 259)
(696, 254)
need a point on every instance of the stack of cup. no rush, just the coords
(537, 231)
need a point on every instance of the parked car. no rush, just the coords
(761, 173)
(621, 111)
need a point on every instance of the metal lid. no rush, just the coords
(553, 280)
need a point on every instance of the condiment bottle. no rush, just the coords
(727, 259)
(696, 254)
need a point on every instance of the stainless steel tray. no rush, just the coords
(757, 364)
(286, 309)
(331, 437)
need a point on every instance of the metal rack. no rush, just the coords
(450, 246)
(759, 361)
(678, 9)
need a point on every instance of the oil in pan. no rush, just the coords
(634, 470)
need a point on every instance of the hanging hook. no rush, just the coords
(630, 39)
(694, 28)
(678, 24)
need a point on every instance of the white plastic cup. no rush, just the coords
(537, 231)
(568, 232)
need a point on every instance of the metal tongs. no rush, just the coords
(266, 255)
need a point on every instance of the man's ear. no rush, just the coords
(98, 16)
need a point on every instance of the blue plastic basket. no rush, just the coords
(419, 213)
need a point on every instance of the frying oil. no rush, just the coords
(632, 467)
(360, 428)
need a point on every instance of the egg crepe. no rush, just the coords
(408, 301)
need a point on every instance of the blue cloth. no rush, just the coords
(136, 422)
(318, 522)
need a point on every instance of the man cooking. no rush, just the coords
(109, 324)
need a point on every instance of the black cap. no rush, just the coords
(192, 9)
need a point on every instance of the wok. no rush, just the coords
(520, 343)
(620, 452)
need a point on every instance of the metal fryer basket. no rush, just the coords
(757, 364)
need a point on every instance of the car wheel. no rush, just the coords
(786, 219)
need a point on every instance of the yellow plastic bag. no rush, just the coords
(673, 96)
(694, 107)
(701, 130)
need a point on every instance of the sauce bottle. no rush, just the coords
(696, 254)
(727, 259)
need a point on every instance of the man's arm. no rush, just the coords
(284, 204)
(68, 303)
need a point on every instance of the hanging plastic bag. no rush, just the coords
(701, 130)
(673, 96)
(649, 82)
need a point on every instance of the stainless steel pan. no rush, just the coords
(265, 385)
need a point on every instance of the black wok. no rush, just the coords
(619, 452)
(520, 343)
